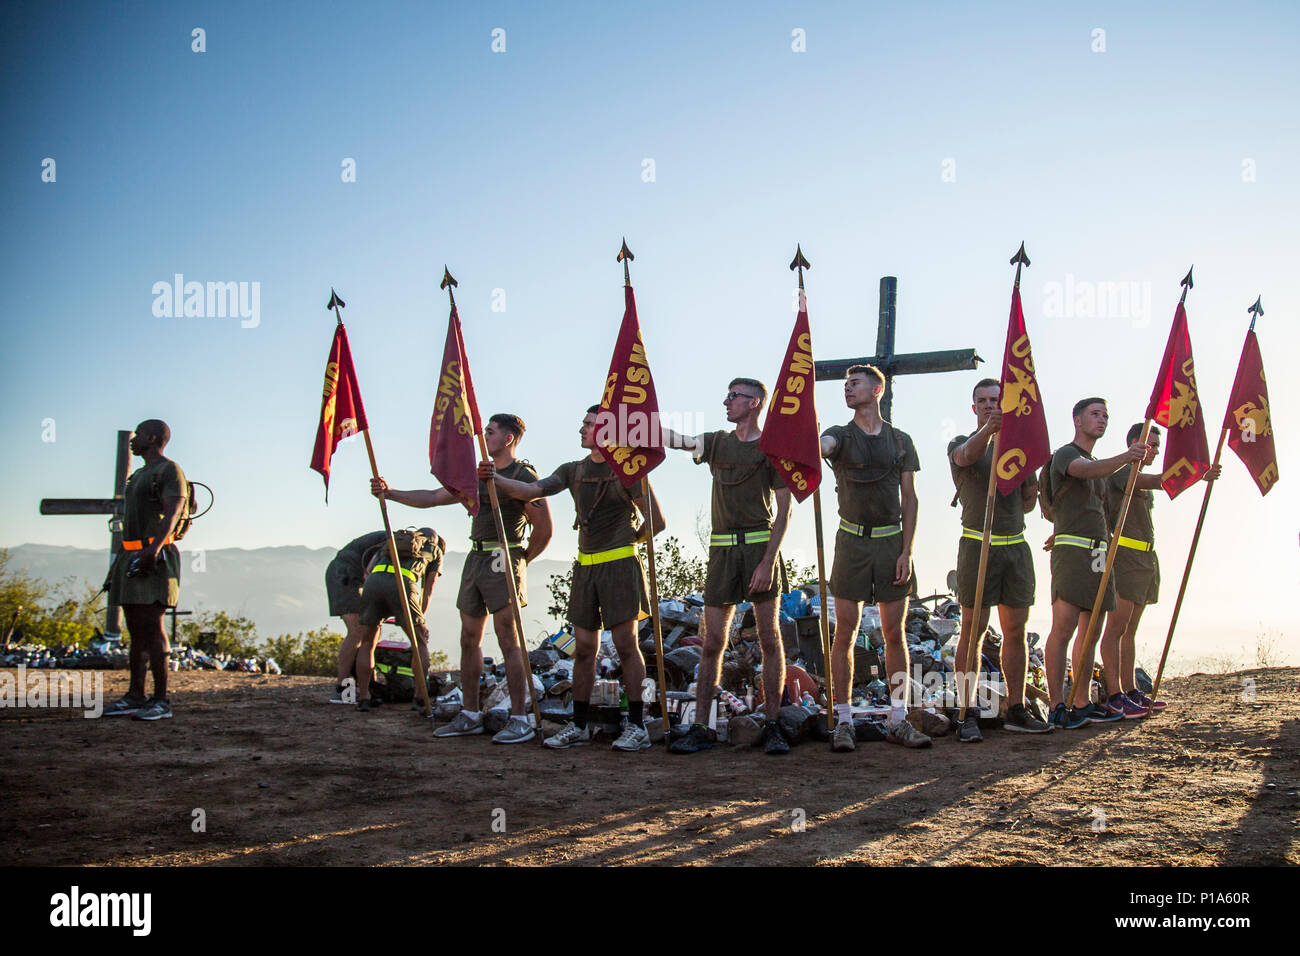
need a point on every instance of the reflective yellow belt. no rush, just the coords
(491, 545)
(1075, 541)
(997, 539)
(862, 531)
(1135, 544)
(139, 545)
(382, 568)
(740, 537)
(601, 557)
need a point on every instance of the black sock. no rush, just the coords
(580, 708)
(636, 712)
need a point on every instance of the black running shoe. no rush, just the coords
(1019, 719)
(969, 733)
(699, 737)
(773, 741)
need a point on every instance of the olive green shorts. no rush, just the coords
(1137, 576)
(1074, 580)
(1008, 580)
(864, 569)
(343, 581)
(730, 569)
(484, 589)
(380, 599)
(603, 595)
(162, 587)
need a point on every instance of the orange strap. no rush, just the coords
(139, 545)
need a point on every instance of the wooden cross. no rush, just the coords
(910, 363)
(103, 506)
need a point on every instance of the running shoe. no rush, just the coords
(125, 707)
(843, 738)
(154, 710)
(1076, 717)
(1102, 715)
(343, 695)
(698, 737)
(1057, 718)
(901, 732)
(1142, 700)
(970, 729)
(571, 736)
(462, 725)
(773, 740)
(516, 731)
(1126, 708)
(634, 737)
(1020, 720)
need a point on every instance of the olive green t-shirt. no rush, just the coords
(1078, 503)
(972, 484)
(484, 525)
(353, 554)
(146, 489)
(868, 472)
(605, 516)
(743, 482)
(1137, 523)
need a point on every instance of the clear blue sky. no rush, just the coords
(522, 170)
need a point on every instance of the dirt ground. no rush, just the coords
(283, 777)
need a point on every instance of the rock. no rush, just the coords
(543, 659)
(495, 719)
(681, 662)
(655, 728)
(794, 722)
(744, 731)
(868, 731)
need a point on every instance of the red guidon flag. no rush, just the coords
(1175, 404)
(341, 411)
(627, 426)
(1023, 445)
(790, 438)
(1250, 428)
(455, 421)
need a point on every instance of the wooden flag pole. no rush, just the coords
(824, 624)
(417, 665)
(625, 256)
(975, 639)
(1256, 310)
(654, 605)
(1187, 569)
(512, 585)
(1094, 619)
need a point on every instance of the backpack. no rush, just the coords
(189, 506)
(1046, 493)
(900, 452)
(410, 542)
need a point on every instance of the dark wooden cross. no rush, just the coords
(103, 506)
(910, 363)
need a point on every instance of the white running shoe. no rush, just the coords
(462, 725)
(570, 736)
(516, 731)
(633, 737)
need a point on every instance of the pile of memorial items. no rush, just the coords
(930, 633)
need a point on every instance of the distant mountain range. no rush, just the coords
(282, 590)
